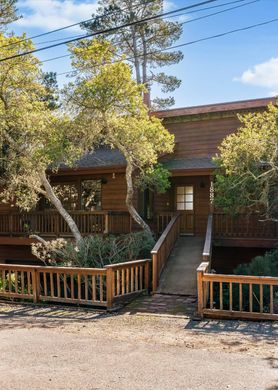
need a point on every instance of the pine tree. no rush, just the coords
(141, 43)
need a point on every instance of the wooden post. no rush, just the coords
(147, 276)
(109, 287)
(106, 224)
(200, 291)
(35, 286)
(154, 272)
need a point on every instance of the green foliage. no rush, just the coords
(266, 265)
(97, 251)
(8, 12)
(155, 178)
(248, 166)
(49, 80)
(142, 41)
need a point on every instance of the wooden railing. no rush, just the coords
(236, 296)
(207, 251)
(87, 286)
(162, 220)
(243, 226)
(51, 223)
(162, 249)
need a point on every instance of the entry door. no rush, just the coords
(185, 205)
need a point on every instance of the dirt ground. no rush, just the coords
(46, 347)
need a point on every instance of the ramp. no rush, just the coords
(179, 276)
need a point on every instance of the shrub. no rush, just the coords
(97, 251)
(266, 265)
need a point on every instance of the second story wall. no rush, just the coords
(200, 138)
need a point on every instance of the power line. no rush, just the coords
(182, 23)
(70, 26)
(171, 16)
(110, 30)
(190, 42)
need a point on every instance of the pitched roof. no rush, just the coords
(189, 163)
(213, 108)
(102, 157)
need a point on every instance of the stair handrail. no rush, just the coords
(163, 247)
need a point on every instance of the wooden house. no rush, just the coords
(94, 191)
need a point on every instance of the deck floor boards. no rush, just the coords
(179, 276)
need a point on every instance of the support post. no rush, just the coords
(106, 224)
(147, 276)
(154, 287)
(35, 285)
(109, 287)
(200, 291)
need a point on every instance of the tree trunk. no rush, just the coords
(147, 95)
(129, 199)
(58, 205)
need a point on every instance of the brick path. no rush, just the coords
(160, 304)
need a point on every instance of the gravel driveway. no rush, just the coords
(61, 348)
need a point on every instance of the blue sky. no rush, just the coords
(240, 66)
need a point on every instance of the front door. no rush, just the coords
(185, 206)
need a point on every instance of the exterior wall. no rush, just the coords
(200, 138)
(166, 202)
(113, 190)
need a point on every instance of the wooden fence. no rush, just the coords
(243, 226)
(87, 286)
(162, 220)
(236, 296)
(51, 223)
(162, 249)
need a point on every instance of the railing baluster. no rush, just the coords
(240, 296)
(211, 295)
(250, 298)
(271, 299)
(261, 299)
(221, 295)
(231, 296)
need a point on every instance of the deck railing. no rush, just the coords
(162, 220)
(207, 251)
(51, 223)
(163, 247)
(243, 226)
(87, 286)
(236, 296)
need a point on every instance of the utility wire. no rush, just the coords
(110, 30)
(171, 16)
(73, 25)
(189, 43)
(182, 23)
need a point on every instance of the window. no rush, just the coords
(185, 198)
(91, 195)
(68, 195)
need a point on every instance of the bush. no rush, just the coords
(97, 251)
(266, 265)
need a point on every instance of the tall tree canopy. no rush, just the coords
(32, 137)
(141, 43)
(106, 98)
(248, 162)
(8, 12)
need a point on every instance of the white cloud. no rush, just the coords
(262, 75)
(52, 14)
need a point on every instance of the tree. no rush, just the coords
(248, 162)
(33, 138)
(49, 80)
(141, 43)
(106, 98)
(7, 12)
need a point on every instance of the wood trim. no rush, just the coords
(87, 171)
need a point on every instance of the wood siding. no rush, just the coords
(166, 202)
(201, 138)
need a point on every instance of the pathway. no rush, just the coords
(179, 276)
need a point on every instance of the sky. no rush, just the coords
(240, 66)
